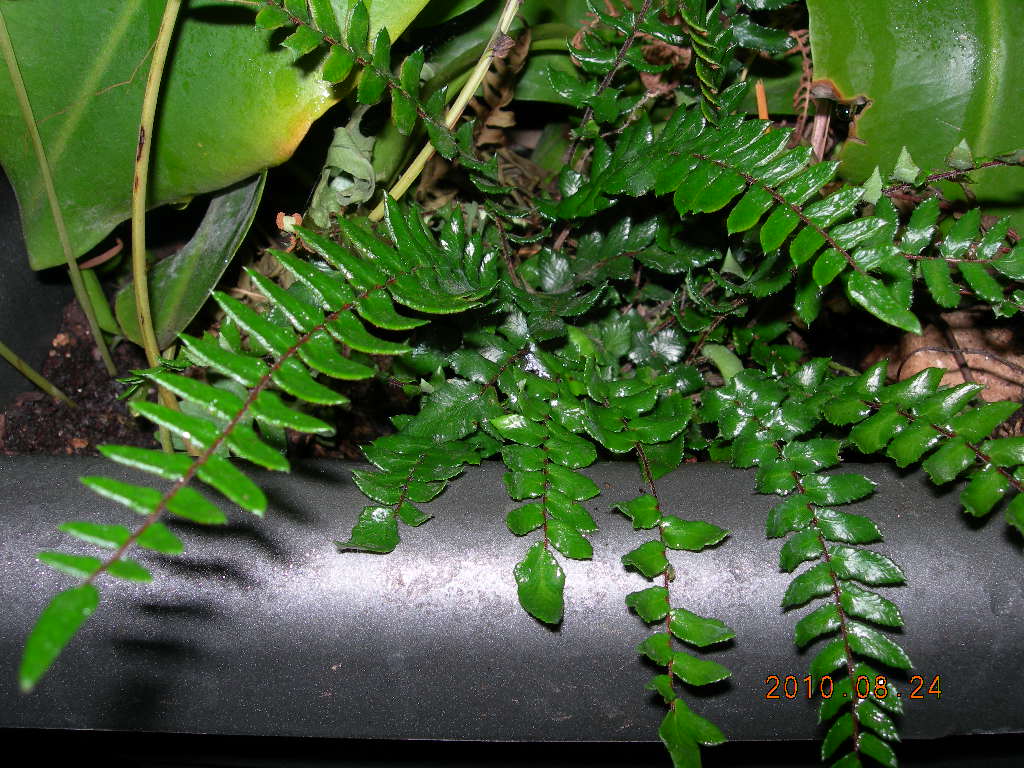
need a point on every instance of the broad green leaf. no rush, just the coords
(804, 546)
(376, 530)
(836, 489)
(271, 409)
(814, 582)
(940, 283)
(257, 105)
(949, 461)
(53, 630)
(568, 540)
(697, 630)
(846, 527)
(984, 491)
(927, 91)
(180, 284)
(870, 642)
(574, 485)
(412, 515)
(692, 535)
(657, 648)
(79, 566)
(695, 671)
(865, 566)
(648, 558)
(793, 514)
(643, 511)
(878, 299)
(519, 429)
(541, 583)
(650, 604)
(871, 606)
(821, 621)
(525, 518)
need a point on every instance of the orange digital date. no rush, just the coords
(792, 687)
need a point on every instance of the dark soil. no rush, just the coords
(35, 423)
(38, 424)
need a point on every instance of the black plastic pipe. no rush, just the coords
(262, 628)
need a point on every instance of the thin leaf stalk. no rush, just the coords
(140, 191)
(476, 77)
(28, 117)
(32, 375)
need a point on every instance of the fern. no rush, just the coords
(416, 271)
(630, 324)
(769, 423)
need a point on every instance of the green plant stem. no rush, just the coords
(140, 191)
(476, 77)
(30, 373)
(28, 117)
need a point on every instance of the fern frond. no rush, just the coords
(914, 421)
(767, 423)
(415, 270)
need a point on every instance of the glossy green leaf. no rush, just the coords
(53, 630)
(876, 431)
(525, 518)
(829, 658)
(846, 527)
(541, 583)
(696, 671)
(865, 566)
(643, 511)
(836, 489)
(949, 461)
(868, 605)
(880, 300)
(978, 423)
(792, 514)
(657, 648)
(692, 535)
(650, 604)
(376, 530)
(872, 643)
(106, 536)
(814, 582)
(821, 621)
(984, 491)
(927, 90)
(1005, 452)
(697, 630)
(567, 540)
(648, 558)
(804, 546)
